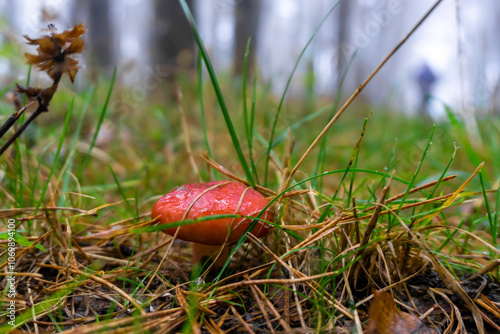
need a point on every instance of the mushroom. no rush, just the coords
(208, 199)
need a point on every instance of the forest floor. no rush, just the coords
(404, 210)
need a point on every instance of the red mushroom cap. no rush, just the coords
(208, 199)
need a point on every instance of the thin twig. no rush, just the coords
(19, 131)
(13, 118)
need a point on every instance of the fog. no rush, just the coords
(459, 43)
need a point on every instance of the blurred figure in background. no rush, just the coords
(425, 79)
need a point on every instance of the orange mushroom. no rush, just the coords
(208, 199)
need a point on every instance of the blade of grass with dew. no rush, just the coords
(99, 123)
(278, 111)
(71, 155)
(218, 92)
(120, 189)
(214, 173)
(56, 157)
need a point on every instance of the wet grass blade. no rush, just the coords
(218, 93)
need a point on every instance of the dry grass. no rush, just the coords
(94, 278)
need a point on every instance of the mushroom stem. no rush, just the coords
(200, 251)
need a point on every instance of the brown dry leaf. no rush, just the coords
(385, 318)
(54, 52)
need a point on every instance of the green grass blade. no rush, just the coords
(493, 222)
(6, 89)
(276, 117)
(353, 156)
(71, 155)
(412, 182)
(218, 93)
(244, 91)
(99, 123)
(282, 136)
(252, 122)
(214, 173)
(249, 119)
(321, 160)
(122, 192)
(462, 135)
(59, 147)
(243, 238)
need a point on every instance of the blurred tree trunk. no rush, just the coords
(247, 22)
(172, 41)
(343, 40)
(100, 35)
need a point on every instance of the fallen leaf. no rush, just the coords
(385, 318)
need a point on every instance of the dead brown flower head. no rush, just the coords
(55, 50)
